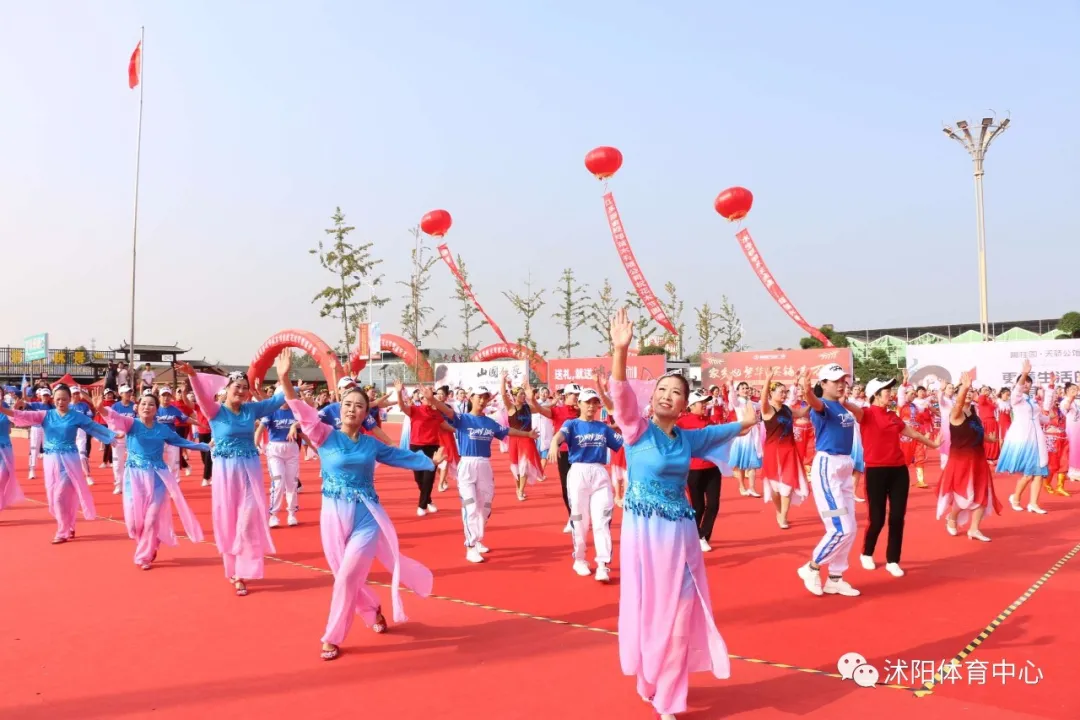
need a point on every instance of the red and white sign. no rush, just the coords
(761, 269)
(750, 367)
(563, 371)
(633, 270)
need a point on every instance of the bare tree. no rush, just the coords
(353, 267)
(415, 316)
(601, 310)
(573, 307)
(673, 308)
(730, 329)
(468, 311)
(527, 305)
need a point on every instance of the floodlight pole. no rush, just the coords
(977, 149)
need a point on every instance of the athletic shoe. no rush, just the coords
(705, 547)
(293, 522)
(420, 512)
(894, 569)
(840, 587)
(432, 509)
(602, 573)
(867, 562)
(274, 522)
(582, 568)
(484, 550)
(473, 555)
(811, 578)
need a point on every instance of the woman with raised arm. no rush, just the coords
(782, 473)
(148, 481)
(65, 483)
(666, 626)
(524, 456)
(237, 488)
(966, 489)
(355, 527)
(1023, 447)
(425, 424)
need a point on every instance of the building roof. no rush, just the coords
(176, 349)
(950, 331)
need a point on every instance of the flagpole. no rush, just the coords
(135, 226)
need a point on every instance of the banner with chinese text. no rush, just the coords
(996, 364)
(751, 366)
(563, 371)
(474, 374)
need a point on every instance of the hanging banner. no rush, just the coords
(750, 250)
(363, 339)
(633, 270)
(752, 366)
(448, 258)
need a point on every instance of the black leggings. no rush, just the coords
(425, 479)
(106, 454)
(705, 497)
(207, 458)
(184, 431)
(564, 470)
(886, 484)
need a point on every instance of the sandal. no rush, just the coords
(330, 654)
(145, 566)
(380, 625)
(241, 589)
(59, 539)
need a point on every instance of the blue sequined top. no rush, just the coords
(234, 432)
(657, 466)
(348, 467)
(60, 430)
(5, 430)
(146, 445)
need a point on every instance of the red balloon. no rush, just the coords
(734, 203)
(436, 223)
(603, 162)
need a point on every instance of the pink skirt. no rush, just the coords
(241, 527)
(10, 492)
(143, 487)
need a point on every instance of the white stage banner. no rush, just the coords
(996, 364)
(473, 374)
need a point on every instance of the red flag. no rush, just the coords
(135, 67)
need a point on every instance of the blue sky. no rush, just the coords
(261, 117)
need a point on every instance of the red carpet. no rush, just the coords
(85, 634)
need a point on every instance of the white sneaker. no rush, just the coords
(840, 587)
(293, 522)
(811, 578)
(602, 573)
(187, 471)
(102, 466)
(705, 547)
(432, 509)
(867, 562)
(206, 483)
(420, 512)
(31, 476)
(483, 549)
(473, 555)
(274, 522)
(569, 527)
(90, 481)
(116, 490)
(894, 569)
(582, 568)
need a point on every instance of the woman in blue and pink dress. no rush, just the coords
(148, 481)
(666, 627)
(10, 492)
(237, 489)
(355, 528)
(65, 482)
(1023, 447)
(746, 450)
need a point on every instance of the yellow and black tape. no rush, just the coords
(928, 687)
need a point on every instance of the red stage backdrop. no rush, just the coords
(563, 371)
(751, 366)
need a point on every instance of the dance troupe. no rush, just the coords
(666, 446)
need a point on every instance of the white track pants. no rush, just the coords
(80, 443)
(592, 502)
(283, 461)
(172, 459)
(476, 486)
(119, 457)
(834, 494)
(37, 441)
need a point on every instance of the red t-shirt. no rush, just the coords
(881, 438)
(424, 425)
(559, 415)
(690, 421)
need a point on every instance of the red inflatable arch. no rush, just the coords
(513, 351)
(301, 340)
(404, 350)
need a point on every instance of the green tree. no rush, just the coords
(1070, 324)
(673, 308)
(303, 360)
(527, 305)
(808, 343)
(468, 312)
(353, 267)
(876, 365)
(573, 307)
(416, 316)
(706, 326)
(652, 350)
(731, 329)
(600, 311)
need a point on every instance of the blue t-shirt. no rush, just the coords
(834, 428)
(84, 408)
(331, 415)
(278, 424)
(588, 442)
(475, 433)
(171, 416)
(121, 409)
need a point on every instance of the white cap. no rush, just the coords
(698, 396)
(148, 393)
(588, 394)
(345, 382)
(832, 372)
(572, 389)
(125, 388)
(76, 389)
(109, 390)
(165, 390)
(480, 390)
(875, 386)
(43, 392)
